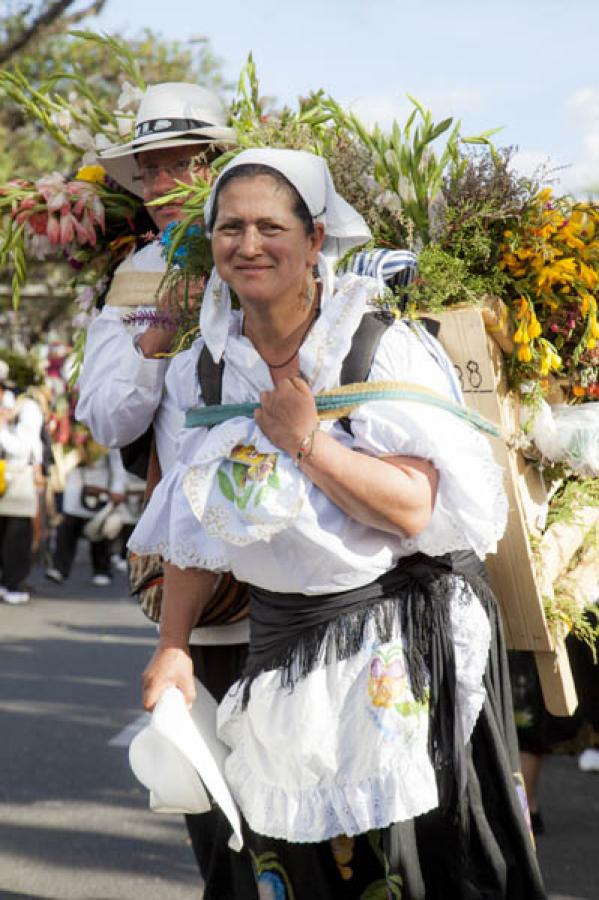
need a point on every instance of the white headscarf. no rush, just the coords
(309, 174)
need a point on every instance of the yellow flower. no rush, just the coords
(521, 335)
(591, 342)
(595, 328)
(589, 275)
(534, 328)
(94, 174)
(524, 354)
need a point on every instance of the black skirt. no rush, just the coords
(486, 853)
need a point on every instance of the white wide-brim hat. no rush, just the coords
(179, 758)
(172, 114)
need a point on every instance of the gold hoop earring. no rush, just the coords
(310, 292)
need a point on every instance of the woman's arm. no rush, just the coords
(185, 594)
(393, 494)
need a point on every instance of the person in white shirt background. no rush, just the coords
(122, 385)
(21, 421)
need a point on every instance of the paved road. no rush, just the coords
(74, 824)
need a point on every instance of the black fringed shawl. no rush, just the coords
(294, 633)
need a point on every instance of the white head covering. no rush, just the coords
(309, 174)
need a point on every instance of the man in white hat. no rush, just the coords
(179, 128)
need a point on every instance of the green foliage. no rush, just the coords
(571, 497)
(444, 280)
(79, 65)
(23, 368)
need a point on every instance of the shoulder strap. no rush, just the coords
(210, 376)
(358, 362)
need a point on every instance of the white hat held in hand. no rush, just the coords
(172, 114)
(180, 760)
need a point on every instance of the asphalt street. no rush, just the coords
(74, 823)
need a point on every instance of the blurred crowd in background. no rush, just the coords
(57, 485)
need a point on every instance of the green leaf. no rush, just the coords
(273, 480)
(440, 128)
(225, 485)
(243, 500)
(239, 472)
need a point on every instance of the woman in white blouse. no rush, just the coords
(371, 741)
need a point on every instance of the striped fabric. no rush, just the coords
(391, 268)
(397, 269)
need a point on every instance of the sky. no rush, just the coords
(528, 67)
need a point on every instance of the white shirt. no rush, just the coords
(21, 439)
(121, 393)
(291, 537)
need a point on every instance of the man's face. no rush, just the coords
(160, 170)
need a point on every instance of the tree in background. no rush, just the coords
(41, 53)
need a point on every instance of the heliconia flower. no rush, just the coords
(67, 225)
(53, 230)
(38, 222)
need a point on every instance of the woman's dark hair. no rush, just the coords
(251, 170)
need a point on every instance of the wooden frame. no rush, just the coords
(480, 365)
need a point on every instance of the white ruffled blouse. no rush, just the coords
(233, 501)
(301, 767)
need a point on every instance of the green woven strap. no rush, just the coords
(341, 401)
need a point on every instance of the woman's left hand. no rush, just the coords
(287, 414)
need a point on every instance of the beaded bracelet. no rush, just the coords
(305, 448)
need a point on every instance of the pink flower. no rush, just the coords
(67, 225)
(53, 230)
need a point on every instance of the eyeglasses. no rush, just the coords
(177, 170)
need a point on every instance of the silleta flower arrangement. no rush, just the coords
(552, 256)
(82, 221)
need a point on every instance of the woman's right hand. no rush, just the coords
(169, 667)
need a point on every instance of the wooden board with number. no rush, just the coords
(480, 368)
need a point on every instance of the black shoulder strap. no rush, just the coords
(210, 376)
(358, 362)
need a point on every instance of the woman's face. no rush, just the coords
(260, 247)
